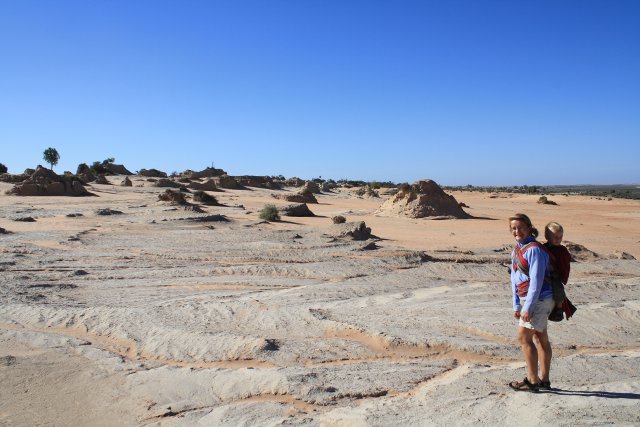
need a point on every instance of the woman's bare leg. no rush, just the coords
(544, 353)
(530, 353)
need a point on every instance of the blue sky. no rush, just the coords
(461, 92)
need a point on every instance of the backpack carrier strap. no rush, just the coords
(519, 262)
(522, 265)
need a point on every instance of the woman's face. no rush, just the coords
(519, 229)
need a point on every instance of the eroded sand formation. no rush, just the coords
(163, 316)
(420, 200)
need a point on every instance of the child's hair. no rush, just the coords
(552, 228)
(522, 217)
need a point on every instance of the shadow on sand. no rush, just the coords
(589, 393)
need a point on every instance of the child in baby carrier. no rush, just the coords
(560, 262)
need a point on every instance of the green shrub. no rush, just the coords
(100, 167)
(269, 213)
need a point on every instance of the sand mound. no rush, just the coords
(422, 199)
(312, 187)
(174, 197)
(208, 185)
(205, 173)
(166, 182)
(152, 173)
(257, 181)
(226, 181)
(357, 230)
(302, 197)
(367, 192)
(298, 209)
(45, 182)
(580, 253)
(117, 169)
(101, 179)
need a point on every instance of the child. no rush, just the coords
(560, 261)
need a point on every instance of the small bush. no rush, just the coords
(82, 168)
(339, 219)
(3, 168)
(269, 213)
(544, 201)
(202, 197)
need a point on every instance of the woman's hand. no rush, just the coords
(525, 316)
(516, 314)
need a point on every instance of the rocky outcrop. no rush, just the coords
(580, 253)
(338, 219)
(13, 179)
(205, 173)
(45, 182)
(116, 169)
(298, 209)
(311, 187)
(622, 255)
(172, 196)
(101, 179)
(420, 200)
(204, 198)
(367, 191)
(152, 173)
(226, 181)
(357, 230)
(294, 182)
(303, 197)
(166, 182)
(126, 182)
(327, 186)
(257, 181)
(208, 185)
(86, 176)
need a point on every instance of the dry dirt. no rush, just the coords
(155, 317)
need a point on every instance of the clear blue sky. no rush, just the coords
(463, 92)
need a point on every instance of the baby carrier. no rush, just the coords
(559, 295)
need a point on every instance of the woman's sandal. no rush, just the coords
(544, 385)
(524, 385)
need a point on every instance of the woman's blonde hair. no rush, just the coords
(552, 228)
(522, 217)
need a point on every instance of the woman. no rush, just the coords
(532, 303)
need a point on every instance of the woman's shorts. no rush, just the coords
(540, 314)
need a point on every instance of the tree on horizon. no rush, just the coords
(51, 156)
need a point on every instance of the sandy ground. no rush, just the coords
(152, 317)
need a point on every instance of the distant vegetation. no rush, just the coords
(101, 167)
(373, 184)
(620, 191)
(3, 168)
